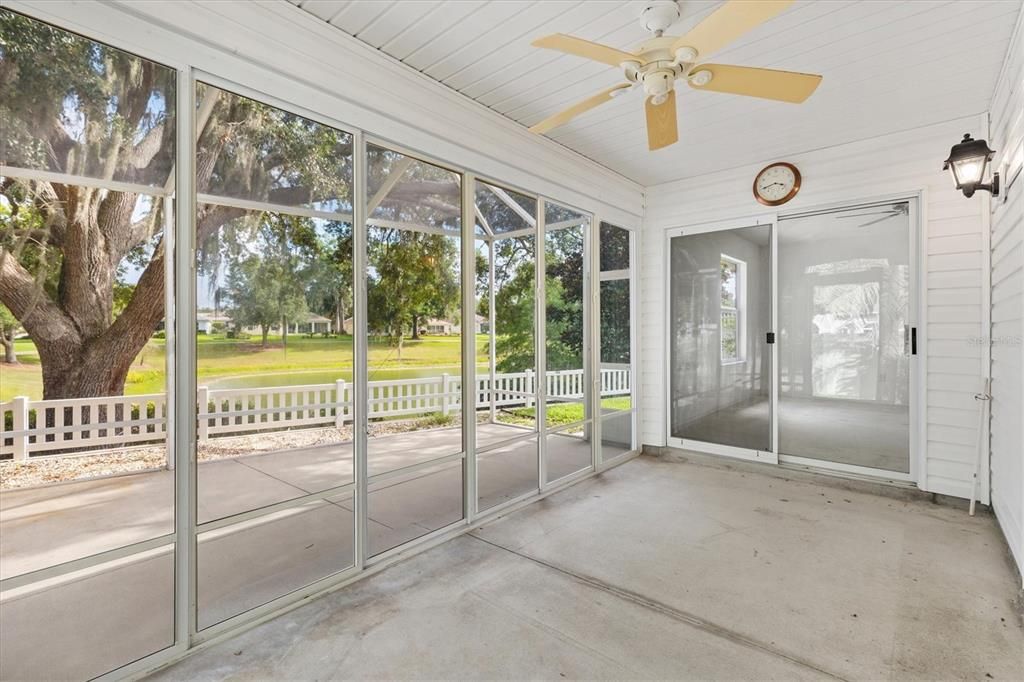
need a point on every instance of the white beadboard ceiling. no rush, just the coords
(888, 66)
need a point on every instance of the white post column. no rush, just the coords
(20, 408)
(469, 393)
(339, 403)
(203, 405)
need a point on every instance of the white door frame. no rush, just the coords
(752, 454)
(916, 319)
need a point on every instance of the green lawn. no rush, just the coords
(563, 413)
(223, 362)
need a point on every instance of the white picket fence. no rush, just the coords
(78, 426)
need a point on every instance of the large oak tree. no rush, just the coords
(82, 262)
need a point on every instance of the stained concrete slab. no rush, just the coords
(50, 525)
(469, 610)
(868, 587)
(661, 569)
(84, 632)
(506, 472)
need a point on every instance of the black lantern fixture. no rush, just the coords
(968, 161)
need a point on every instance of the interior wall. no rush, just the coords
(277, 49)
(1007, 137)
(955, 258)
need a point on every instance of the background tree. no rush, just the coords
(413, 276)
(564, 304)
(9, 327)
(74, 106)
(514, 299)
(329, 292)
(267, 286)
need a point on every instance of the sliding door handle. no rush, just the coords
(909, 340)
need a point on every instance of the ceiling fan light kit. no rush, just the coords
(658, 62)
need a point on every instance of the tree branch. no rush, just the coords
(29, 303)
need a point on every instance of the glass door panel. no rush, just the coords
(87, 510)
(720, 314)
(415, 317)
(274, 353)
(506, 431)
(845, 336)
(566, 283)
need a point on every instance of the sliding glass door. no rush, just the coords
(793, 340)
(846, 336)
(719, 319)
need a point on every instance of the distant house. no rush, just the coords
(206, 321)
(436, 327)
(313, 324)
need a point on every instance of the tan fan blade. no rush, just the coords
(785, 86)
(585, 48)
(662, 129)
(575, 110)
(729, 22)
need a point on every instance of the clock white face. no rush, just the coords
(775, 183)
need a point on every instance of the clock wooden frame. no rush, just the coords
(792, 192)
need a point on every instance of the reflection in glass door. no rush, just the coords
(846, 336)
(720, 315)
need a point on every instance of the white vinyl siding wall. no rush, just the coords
(1007, 135)
(955, 260)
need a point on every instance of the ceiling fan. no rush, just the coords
(657, 63)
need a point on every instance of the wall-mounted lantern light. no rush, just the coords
(968, 161)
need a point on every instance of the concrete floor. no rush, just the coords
(663, 569)
(844, 431)
(102, 617)
(49, 525)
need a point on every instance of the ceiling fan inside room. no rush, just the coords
(659, 62)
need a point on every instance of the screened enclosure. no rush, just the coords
(255, 361)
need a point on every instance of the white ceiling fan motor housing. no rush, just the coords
(658, 15)
(658, 84)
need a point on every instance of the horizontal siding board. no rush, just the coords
(953, 275)
(1007, 281)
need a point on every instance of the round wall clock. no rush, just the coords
(777, 183)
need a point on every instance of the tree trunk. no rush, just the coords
(83, 349)
(415, 327)
(10, 357)
(265, 328)
(284, 332)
